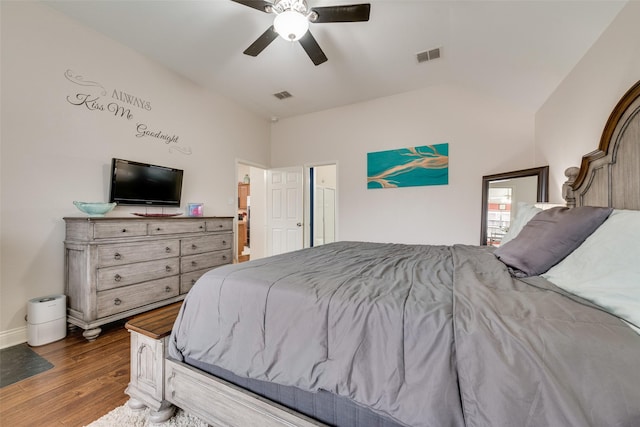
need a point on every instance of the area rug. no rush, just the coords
(20, 362)
(123, 416)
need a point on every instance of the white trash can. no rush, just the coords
(46, 319)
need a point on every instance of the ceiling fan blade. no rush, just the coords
(351, 13)
(261, 42)
(256, 4)
(311, 46)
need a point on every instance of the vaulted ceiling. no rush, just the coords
(517, 50)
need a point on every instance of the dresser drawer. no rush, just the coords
(198, 245)
(110, 230)
(124, 275)
(126, 254)
(210, 259)
(157, 228)
(189, 279)
(126, 298)
(220, 224)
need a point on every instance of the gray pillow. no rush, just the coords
(548, 237)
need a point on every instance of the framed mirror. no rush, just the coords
(501, 194)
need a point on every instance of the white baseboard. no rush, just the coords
(13, 337)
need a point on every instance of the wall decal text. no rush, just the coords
(94, 103)
(143, 131)
(92, 97)
(131, 99)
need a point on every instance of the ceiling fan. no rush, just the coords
(292, 23)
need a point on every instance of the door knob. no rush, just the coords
(299, 224)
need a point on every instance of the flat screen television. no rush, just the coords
(143, 184)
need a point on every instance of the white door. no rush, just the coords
(285, 207)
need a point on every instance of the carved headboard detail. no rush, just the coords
(610, 175)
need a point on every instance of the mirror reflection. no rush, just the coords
(502, 194)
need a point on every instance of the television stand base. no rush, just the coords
(157, 215)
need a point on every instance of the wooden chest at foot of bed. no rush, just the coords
(149, 334)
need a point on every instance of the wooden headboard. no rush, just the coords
(610, 175)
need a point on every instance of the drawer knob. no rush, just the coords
(167, 250)
(167, 289)
(224, 257)
(224, 242)
(193, 263)
(117, 256)
(167, 268)
(124, 230)
(158, 229)
(220, 225)
(117, 277)
(117, 301)
(201, 227)
(194, 247)
(193, 281)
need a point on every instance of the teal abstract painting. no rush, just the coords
(409, 167)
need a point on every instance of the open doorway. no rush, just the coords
(251, 212)
(277, 213)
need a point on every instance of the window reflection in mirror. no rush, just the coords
(501, 194)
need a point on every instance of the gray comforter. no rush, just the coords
(427, 335)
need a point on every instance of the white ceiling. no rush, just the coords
(517, 50)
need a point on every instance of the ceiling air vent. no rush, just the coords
(428, 55)
(282, 95)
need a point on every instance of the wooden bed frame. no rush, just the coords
(608, 176)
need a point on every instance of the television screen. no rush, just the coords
(134, 183)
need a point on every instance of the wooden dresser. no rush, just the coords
(118, 267)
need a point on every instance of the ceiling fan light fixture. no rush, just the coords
(291, 25)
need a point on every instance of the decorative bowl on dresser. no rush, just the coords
(95, 209)
(118, 267)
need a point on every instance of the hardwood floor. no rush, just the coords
(87, 381)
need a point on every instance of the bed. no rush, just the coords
(543, 331)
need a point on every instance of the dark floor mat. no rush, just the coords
(20, 362)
